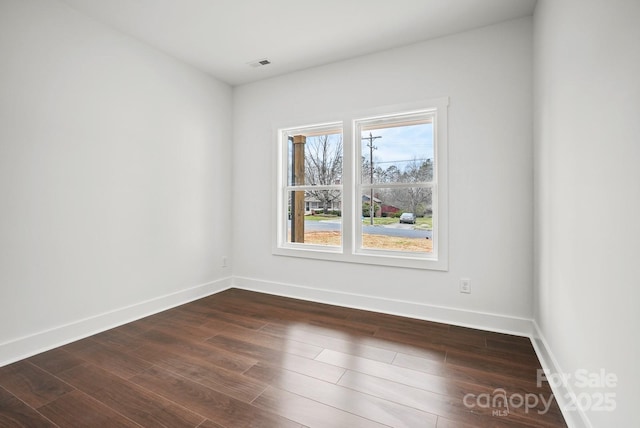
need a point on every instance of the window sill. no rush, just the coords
(335, 254)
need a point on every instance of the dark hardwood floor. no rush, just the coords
(244, 359)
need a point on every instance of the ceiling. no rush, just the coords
(221, 37)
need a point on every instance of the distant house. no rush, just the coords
(312, 204)
(389, 210)
(377, 202)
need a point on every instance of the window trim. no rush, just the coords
(407, 118)
(349, 251)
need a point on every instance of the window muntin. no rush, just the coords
(419, 175)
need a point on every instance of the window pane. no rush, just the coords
(401, 219)
(397, 153)
(319, 161)
(320, 220)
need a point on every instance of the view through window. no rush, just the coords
(314, 176)
(397, 174)
(370, 195)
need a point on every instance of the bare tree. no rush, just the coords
(413, 199)
(323, 166)
(417, 199)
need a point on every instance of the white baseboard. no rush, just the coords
(27, 346)
(574, 419)
(464, 318)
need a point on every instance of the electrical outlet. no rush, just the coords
(465, 285)
(224, 261)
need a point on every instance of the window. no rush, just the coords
(313, 177)
(370, 188)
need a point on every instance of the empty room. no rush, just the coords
(337, 213)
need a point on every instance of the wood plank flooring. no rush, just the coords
(245, 359)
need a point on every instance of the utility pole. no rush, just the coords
(372, 204)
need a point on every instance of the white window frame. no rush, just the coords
(350, 251)
(284, 188)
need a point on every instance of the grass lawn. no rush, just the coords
(319, 217)
(421, 222)
(373, 241)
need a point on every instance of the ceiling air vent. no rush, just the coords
(259, 63)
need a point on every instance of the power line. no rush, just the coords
(407, 160)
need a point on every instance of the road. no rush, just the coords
(396, 229)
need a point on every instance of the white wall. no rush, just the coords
(114, 177)
(487, 75)
(587, 130)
